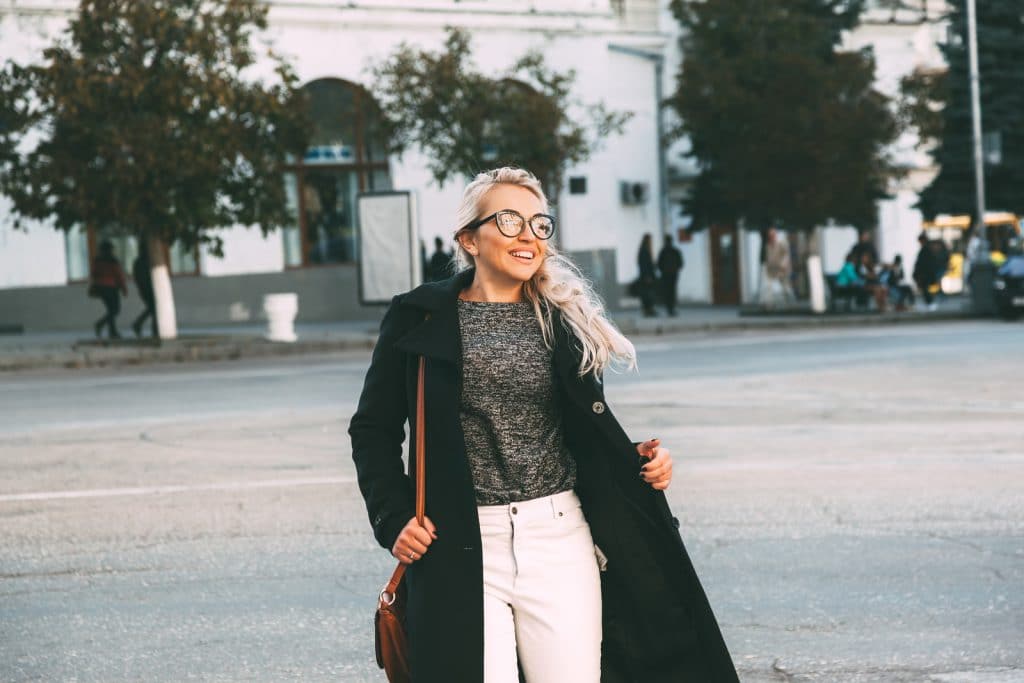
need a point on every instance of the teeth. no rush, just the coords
(523, 254)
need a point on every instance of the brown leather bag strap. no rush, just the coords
(421, 476)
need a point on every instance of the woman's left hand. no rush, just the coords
(657, 471)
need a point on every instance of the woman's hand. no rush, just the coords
(414, 540)
(657, 471)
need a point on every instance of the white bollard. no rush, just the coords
(281, 310)
(816, 280)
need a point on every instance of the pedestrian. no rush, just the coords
(542, 549)
(902, 294)
(925, 271)
(670, 264)
(872, 281)
(775, 271)
(865, 245)
(107, 283)
(440, 265)
(143, 276)
(648, 277)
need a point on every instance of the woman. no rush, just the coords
(107, 282)
(546, 546)
(648, 275)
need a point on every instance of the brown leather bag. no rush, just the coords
(390, 639)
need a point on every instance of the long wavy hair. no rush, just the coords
(558, 283)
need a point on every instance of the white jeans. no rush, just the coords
(542, 592)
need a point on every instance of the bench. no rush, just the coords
(852, 297)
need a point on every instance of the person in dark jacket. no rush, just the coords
(648, 278)
(865, 246)
(107, 283)
(143, 276)
(548, 547)
(440, 265)
(670, 264)
(926, 271)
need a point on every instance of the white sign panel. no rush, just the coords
(389, 261)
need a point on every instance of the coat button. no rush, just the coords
(675, 522)
(598, 407)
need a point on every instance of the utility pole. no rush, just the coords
(979, 160)
(982, 273)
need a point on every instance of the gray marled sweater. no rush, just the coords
(510, 418)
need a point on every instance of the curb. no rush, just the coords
(810, 321)
(183, 350)
(99, 355)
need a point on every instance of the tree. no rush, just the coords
(939, 106)
(146, 119)
(785, 126)
(465, 121)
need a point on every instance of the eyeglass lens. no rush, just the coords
(511, 224)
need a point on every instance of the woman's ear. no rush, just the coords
(467, 240)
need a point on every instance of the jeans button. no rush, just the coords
(514, 510)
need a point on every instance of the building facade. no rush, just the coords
(625, 53)
(331, 45)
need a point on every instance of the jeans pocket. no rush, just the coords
(602, 559)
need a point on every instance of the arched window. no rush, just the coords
(347, 155)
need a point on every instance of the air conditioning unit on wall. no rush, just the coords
(633, 194)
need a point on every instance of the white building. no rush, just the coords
(330, 44)
(617, 48)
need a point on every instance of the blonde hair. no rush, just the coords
(558, 283)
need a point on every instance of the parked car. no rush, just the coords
(1009, 287)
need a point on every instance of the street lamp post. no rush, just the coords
(982, 272)
(979, 160)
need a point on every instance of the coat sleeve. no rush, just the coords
(378, 430)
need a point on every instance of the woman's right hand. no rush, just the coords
(414, 540)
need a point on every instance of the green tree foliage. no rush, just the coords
(939, 105)
(465, 121)
(784, 125)
(146, 118)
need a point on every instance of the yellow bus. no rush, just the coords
(1003, 230)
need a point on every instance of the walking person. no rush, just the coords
(925, 271)
(107, 283)
(670, 264)
(143, 276)
(548, 545)
(648, 278)
(776, 270)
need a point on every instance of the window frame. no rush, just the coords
(362, 167)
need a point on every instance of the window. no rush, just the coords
(81, 246)
(347, 155)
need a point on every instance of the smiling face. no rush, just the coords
(502, 260)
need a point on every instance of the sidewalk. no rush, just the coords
(43, 350)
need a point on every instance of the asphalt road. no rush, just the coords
(853, 501)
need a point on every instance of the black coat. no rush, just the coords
(657, 623)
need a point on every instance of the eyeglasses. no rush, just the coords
(511, 224)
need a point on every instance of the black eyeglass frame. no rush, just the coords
(476, 224)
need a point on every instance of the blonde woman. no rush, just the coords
(548, 549)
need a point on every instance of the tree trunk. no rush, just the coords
(163, 295)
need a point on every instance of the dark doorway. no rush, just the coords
(725, 262)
